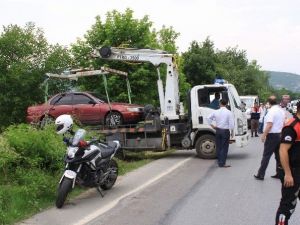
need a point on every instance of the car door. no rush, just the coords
(61, 104)
(86, 109)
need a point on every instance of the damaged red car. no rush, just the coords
(87, 108)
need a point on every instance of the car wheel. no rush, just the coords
(113, 119)
(46, 121)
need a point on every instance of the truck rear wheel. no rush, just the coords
(206, 147)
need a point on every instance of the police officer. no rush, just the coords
(290, 161)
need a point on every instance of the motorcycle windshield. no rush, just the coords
(79, 135)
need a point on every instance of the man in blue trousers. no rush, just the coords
(224, 126)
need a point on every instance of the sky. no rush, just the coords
(269, 30)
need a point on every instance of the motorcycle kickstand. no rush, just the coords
(100, 191)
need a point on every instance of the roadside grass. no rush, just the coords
(21, 200)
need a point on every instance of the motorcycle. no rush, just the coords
(87, 164)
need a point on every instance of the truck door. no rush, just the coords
(240, 119)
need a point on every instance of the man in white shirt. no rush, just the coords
(224, 124)
(273, 124)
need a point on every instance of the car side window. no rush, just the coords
(65, 100)
(81, 99)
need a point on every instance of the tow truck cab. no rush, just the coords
(202, 97)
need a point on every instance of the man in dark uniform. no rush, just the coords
(290, 161)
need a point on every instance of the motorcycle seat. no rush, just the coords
(112, 144)
(106, 151)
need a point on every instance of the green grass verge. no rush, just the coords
(37, 190)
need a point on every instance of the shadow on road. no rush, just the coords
(238, 156)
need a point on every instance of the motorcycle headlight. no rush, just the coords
(71, 151)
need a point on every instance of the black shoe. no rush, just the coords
(256, 135)
(276, 176)
(258, 177)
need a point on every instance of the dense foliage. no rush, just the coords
(25, 56)
(30, 163)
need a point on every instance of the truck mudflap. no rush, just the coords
(241, 141)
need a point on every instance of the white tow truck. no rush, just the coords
(171, 127)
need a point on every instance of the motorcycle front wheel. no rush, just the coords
(112, 176)
(63, 191)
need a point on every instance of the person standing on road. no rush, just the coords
(255, 114)
(290, 161)
(263, 111)
(224, 126)
(273, 123)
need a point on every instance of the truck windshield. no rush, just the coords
(235, 96)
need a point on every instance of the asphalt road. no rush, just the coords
(200, 193)
(181, 189)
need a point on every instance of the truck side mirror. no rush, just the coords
(243, 107)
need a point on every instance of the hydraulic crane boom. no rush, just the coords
(169, 101)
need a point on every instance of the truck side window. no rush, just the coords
(203, 97)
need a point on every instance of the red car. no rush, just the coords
(87, 108)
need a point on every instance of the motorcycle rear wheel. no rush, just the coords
(63, 191)
(112, 176)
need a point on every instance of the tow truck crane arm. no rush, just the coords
(169, 101)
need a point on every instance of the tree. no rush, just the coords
(23, 53)
(202, 63)
(123, 30)
(247, 76)
(166, 39)
(199, 63)
(24, 57)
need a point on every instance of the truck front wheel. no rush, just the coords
(206, 147)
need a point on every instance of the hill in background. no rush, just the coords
(290, 81)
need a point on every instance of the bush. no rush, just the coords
(8, 160)
(41, 149)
